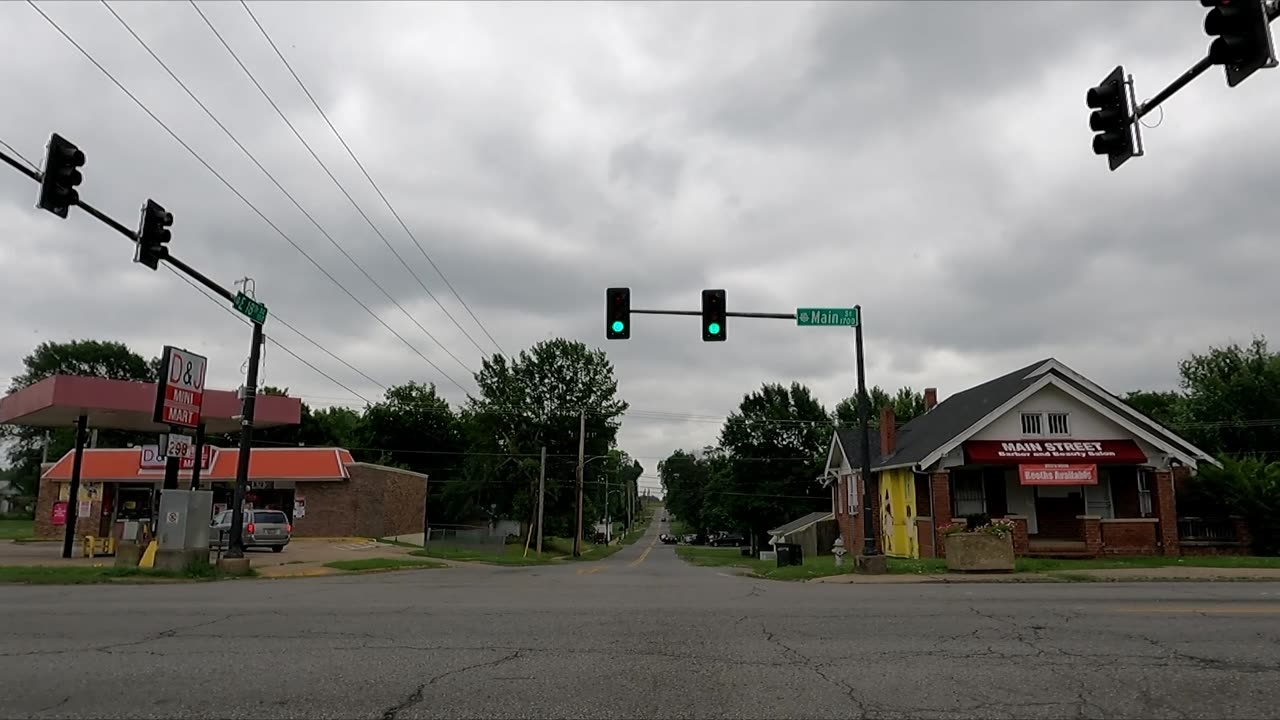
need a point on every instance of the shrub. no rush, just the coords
(1000, 528)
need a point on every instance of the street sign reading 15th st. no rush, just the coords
(816, 317)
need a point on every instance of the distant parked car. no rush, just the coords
(668, 539)
(729, 541)
(262, 528)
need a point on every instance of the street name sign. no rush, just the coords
(180, 394)
(250, 308)
(827, 317)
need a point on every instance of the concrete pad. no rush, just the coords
(872, 564)
(234, 566)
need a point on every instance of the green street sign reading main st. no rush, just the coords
(250, 308)
(827, 317)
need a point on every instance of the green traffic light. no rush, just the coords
(714, 328)
(619, 326)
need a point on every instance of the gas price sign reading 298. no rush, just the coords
(180, 394)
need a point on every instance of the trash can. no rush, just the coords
(789, 554)
(746, 550)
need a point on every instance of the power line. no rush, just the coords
(377, 189)
(350, 199)
(269, 337)
(229, 186)
(20, 156)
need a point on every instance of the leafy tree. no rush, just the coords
(1233, 399)
(775, 443)
(907, 405)
(92, 358)
(685, 481)
(530, 402)
(1167, 408)
(1247, 486)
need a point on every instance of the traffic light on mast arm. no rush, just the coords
(618, 313)
(58, 183)
(153, 235)
(1242, 37)
(713, 317)
(1112, 119)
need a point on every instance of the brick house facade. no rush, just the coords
(1078, 471)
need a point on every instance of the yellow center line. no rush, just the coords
(644, 554)
(591, 571)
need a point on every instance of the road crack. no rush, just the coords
(419, 692)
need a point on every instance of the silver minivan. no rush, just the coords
(262, 528)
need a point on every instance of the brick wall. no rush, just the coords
(47, 495)
(1243, 534)
(844, 520)
(925, 536)
(1130, 537)
(1021, 535)
(1166, 508)
(331, 510)
(1091, 526)
(940, 501)
(392, 502)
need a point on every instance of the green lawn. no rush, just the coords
(382, 564)
(824, 565)
(17, 529)
(84, 575)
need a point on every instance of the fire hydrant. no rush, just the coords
(838, 550)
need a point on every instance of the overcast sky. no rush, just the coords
(929, 161)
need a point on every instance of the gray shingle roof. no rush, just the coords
(800, 523)
(923, 435)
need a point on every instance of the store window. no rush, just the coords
(970, 495)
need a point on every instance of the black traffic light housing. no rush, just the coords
(58, 183)
(1242, 37)
(153, 235)
(1111, 119)
(617, 313)
(713, 316)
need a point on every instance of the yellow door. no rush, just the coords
(898, 515)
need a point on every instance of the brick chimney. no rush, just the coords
(888, 431)
(930, 398)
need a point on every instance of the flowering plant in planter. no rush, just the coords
(979, 544)
(1000, 527)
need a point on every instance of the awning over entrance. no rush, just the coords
(127, 405)
(1017, 452)
(265, 464)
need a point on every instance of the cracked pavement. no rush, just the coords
(637, 639)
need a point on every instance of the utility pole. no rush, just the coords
(235, 545)
(542, 494)
(582, 449)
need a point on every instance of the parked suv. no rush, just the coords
(262, 528)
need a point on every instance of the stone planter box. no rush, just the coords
(979, 552)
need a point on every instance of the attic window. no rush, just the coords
(1058, 424)
(1032, 424)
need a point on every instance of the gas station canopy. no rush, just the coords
(58, 401)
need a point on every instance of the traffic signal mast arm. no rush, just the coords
(1273, 11)
(131, 234)
(698, 313)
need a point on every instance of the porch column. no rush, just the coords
(1167, 511)
(940, 502)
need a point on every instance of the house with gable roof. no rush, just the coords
(1079, 471)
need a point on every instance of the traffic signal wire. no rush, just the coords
(277, 343)
(20, 156)
(375, 186)
(343, 189)
(235, 191)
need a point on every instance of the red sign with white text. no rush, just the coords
(150, 459)
(1058, 474)
(181, 392)
(1017, 452)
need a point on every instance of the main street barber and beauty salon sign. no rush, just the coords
(1023, 452)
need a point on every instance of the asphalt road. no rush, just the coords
(641, 635)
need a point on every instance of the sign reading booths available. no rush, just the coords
(180, 394)
(1057, 474)
(1003, 452)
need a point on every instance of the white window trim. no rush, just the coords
(1022, 418)
(1066, 420)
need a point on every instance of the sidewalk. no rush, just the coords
(1160, 574)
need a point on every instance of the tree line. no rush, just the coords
(483, 457)
(763, 471)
